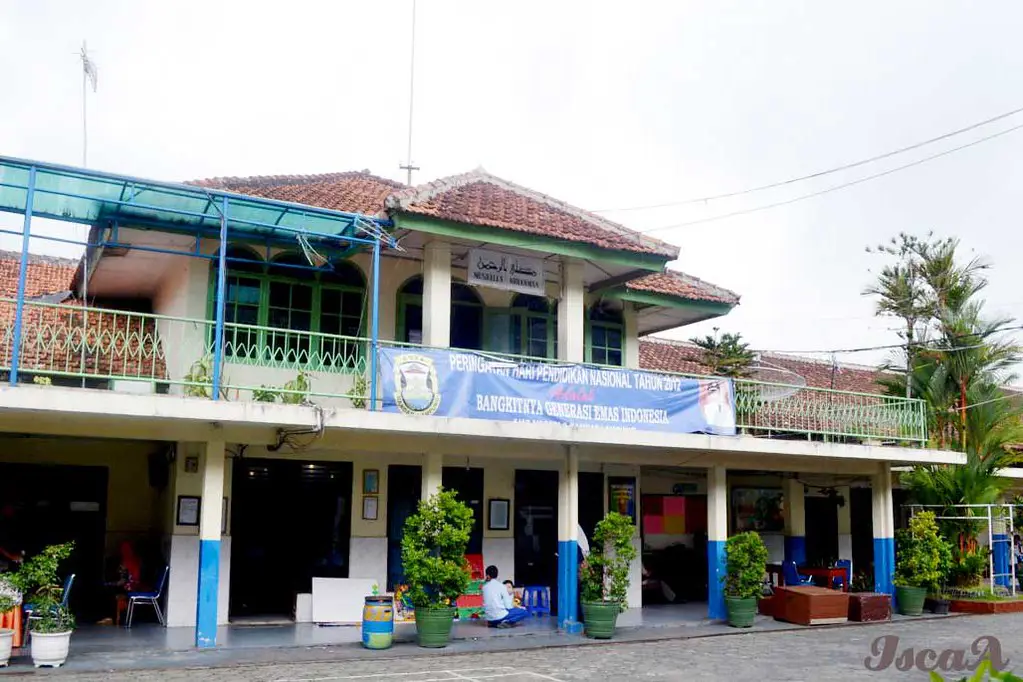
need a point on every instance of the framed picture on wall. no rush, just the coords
(498, 516)
(370, 508)
(370, 481)
(621, 495)
(758, 509)
(188, 510)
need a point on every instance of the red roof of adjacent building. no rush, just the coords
(666, 355)
(44, 274)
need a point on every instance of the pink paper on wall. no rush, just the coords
(653, 525)
(674, 506)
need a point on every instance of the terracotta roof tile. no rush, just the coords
(681, 285)
(44, 275)
(666, 355)
(478, 198)
(352, 192)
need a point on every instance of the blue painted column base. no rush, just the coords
(568, 587)
(884, 566)
(209, 582)
(795, 549)
(1001, 551)
(717, 568)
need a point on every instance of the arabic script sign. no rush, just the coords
(506, 271)
(448, 383)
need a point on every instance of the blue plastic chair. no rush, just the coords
(537, 600)
(29, 609)
(148, 599)
(847, 565)
(791, 575)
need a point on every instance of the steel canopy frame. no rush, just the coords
(106, 200)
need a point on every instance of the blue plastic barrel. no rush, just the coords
(378, 622)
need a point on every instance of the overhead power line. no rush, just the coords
(818, 174)
(834, 188)
(920, 345)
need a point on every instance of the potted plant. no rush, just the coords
(922, 559)
(51, 624)
(605, 575)
(746, 557)
(10, 599)
(433, 558)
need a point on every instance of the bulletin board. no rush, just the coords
(674, 514)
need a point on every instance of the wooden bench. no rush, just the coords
(810, 605)
(870, 607)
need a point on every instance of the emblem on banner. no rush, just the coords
(416, 387)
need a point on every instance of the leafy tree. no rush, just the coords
(605, 575)
(433, 551)
(727, 355)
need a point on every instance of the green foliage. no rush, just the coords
(605, 574)
(862, 582)
(200, 379)
(746, 557)
(37, 579)
(726, 355)
(985, 671)
(923, 556)
(968, 565)
(433, 550)
(265, 394)
(297, 390)
(360, 390)
(40, 380)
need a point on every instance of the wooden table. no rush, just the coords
(830, 574)
(810, 605)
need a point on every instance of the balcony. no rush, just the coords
(120, 350)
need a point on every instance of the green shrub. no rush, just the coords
(746, 557)
(923, 557)
(37, 579)
(605, 574)
(433, 551)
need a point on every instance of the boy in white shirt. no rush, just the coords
(498, 605)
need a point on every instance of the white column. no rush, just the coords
(437, 294)
(795, 521)
(631, 336)
(210, 513)
(845, 525)
(884, 530)
(717, 534)
(572, 313)
(433, 473)
(568, 541)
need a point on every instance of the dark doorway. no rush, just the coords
(404, 489)
(44, 505)
(591, 501)
(821, 530)
(536, 529)
(468, 484)
(862, 517)
(292, 522)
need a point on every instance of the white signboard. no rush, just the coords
(506, 271)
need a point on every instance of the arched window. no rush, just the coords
(466, 315)
(285, 313)
(605, 335)
(534, 326)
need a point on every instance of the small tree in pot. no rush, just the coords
(433, 558)
(605, 575)
(51, 624)
(922, 561)
(10, 599)
(746, 557)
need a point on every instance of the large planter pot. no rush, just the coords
(6, 644)
(600, 618)
(910, 600)
(741, 611)
(50, 649)
(433, 626)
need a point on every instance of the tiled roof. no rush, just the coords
(352, 192)
(681, 356)
(675, 283)
(44, 275)
(479, 198)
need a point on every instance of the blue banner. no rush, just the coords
(465, 384)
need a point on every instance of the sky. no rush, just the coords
(601, 104)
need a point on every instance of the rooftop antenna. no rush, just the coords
(89, 77)
(411, 100)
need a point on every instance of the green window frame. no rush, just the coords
(605, 337)
(303, 321)
(463, 299)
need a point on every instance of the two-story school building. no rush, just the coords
(256, 379)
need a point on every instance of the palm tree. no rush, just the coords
(727, 355)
